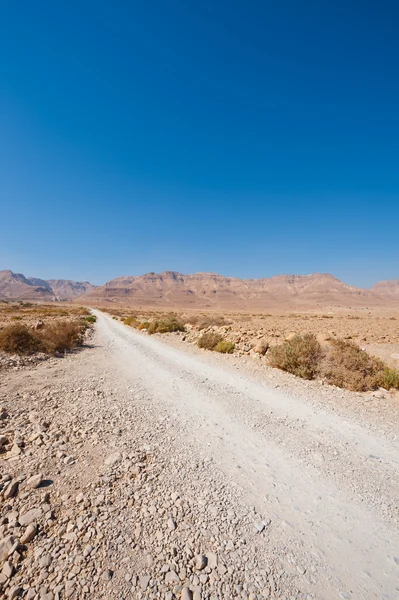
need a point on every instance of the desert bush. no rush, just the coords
(165, 325)
(210, 340)
(19, 339)
(91, 319)
(301, 355)
(61, 336)
(388, 379)
(131, 321)
(348, 366)
(225, 347)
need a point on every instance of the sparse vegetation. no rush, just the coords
(131, 321)
(209, 340)
(214, 341)
(301, 355)
(344, 365)
(225, 347)
(350, 367)
(19, 339)
(54, 337)
(165, 325)
(91, 319)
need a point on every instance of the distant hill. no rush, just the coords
(387, 289)
(212, 291)
(15, 286)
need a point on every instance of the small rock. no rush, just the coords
(113, 459)
(259, 526)
(107, 575)
(11, 489)
(29, 534)
(200, 562)
(7, 547)
(8, 569)
(34, 481)
(144, 581)
(186, 594)
(31, 516)
(171, 525)
(212, 560)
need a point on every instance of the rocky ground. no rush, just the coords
(122, 477)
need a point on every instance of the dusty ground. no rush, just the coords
(30, 313)
(172, 472)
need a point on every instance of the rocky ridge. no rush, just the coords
(212, 291)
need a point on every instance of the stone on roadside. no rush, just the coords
(34, 481)
(29, 534)
(200, 562)
(113, 459)
(7, 547)
(31, 516)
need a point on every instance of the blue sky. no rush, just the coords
(245, 138)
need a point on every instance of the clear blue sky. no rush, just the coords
(246, 138)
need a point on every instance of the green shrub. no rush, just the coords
(389, 379)
(301, 355)
(225, 347)
(91, 319)
(209, 340)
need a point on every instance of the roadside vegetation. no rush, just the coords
(26, 327)
(52, 338)
(215, 342)
(343, 364)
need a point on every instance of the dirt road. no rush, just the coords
(175, 473)
(328, 486)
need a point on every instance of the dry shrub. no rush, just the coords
(166, 325)
(19, 339)
(301, 355)
(350, 367)
(56, 337)
(225, 347)
(61, 336)
(210, 340)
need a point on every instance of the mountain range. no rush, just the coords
(17, 286)
(205, 291)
